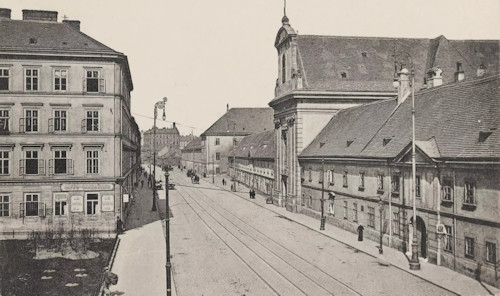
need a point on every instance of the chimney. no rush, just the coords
(404, 84)
(73, 24)
(481, 71)
(5, 13)
(459, 75)
(227, 107)
(39, 15)
(435, 78)
(173, 124)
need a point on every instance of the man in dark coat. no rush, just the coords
(360, 232)
(119, 225)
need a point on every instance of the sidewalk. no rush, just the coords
(140, 259)
(440, 276)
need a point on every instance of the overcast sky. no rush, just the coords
(204, 54)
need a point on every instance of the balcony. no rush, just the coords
(32, 167)
(60, 166)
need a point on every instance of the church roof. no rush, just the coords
(242, 122)
(455, 120)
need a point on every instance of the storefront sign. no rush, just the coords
(76, 203)
(86, 187)
(125, 198)
(108, 203)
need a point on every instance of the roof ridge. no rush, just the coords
(465, 82)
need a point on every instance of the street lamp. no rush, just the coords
(167, 236)
(381, 206)
(414, 263)
(158, 105)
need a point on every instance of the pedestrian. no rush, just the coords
(119, 225)
(109, 279)
(142, 183)
(223, 182)
(360, 232)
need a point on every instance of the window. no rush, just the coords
(4, 205)
(4, 79)
(4, 162)
(469, 247)
(371, 217)
(92, 162)
(344, 179)
(283, 69)
(355, 212)
(4, 121)
(345, 209)
(321, 176)
(417, 186)
(31, 76)
(380, 182)
(310, 175)
(447, 190)
(60, 162)
(93, 82)
(330, 177)
(92, 121)
(30, 120)
(396, 224)
(395, 184)
(470, 188)
(217, 155)
(31, 162)
(92, 203)
(60, 120)
(31, 204)
(361, 181)
(60, 204)
(217, 141)
(217, 170)
(60, 79)
(491, 252)
(447, 245)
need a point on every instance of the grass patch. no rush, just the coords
(22, 275)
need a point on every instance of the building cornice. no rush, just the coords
(340, 96)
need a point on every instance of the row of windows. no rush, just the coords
(446, 192)
(33, 207)
(30, 123)
(60, 164)
(469, 244)
(92, 83)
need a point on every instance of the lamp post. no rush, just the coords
(398, 54)
(158, 105)
(381, 206)
(322, 224)
(167, 236)
(213, 169)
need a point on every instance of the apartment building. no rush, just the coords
(69, 146)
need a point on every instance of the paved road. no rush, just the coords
(222, 244)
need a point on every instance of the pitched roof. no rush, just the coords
(242, 122)
(195, 144)
(448, 122)
(50, 36)
(164, 130)
(259, 145)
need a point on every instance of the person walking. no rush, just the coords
(223, 182)
(142, 183)
(119, 225)
(360, 232)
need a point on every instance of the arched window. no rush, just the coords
(283, 69)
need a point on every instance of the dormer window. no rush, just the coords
(483, 136)
(363, 54)
(343, 74)
(349, 142)
(386, 141)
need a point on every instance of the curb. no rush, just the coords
(110, 264)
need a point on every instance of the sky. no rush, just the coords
(205, 54)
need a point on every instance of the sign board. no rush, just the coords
(76, 203)
(60, 196)
(87, 187)
(126, 198)
(108, 203)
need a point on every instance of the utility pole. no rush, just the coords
(213, 169)
(322, 225)
(167, 237)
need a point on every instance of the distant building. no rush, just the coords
(252, 161)
(69, 146)
(227, 131)
(166, 138)
(363, 158)
(184, 140)
(192, 156)
(320, 75)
